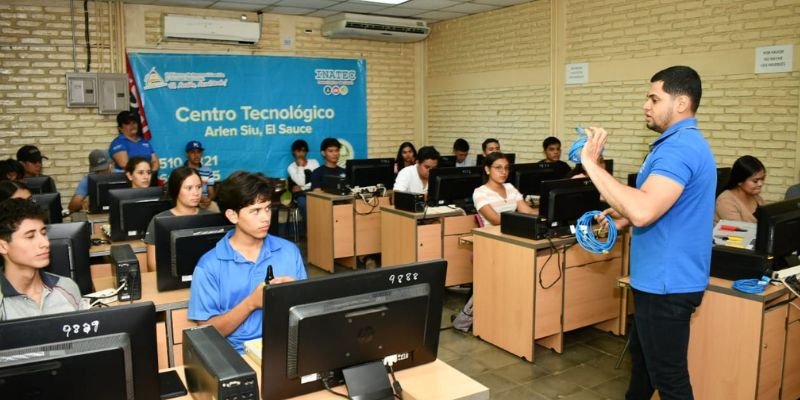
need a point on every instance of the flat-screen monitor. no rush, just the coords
(370, 172)
(40, 184)
(180, 242)
(723, 176)
(50, 202)
(317, 327)
(564, 201)
(132, 209)
(509, 156)
(778, 229)
(453, 185)
(99, 185)
(69, 252)
(98, 354)
(527, 177)
(446, 162)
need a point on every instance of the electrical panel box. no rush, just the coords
(81, 89)
(113, 95)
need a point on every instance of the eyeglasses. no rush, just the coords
(500, 168)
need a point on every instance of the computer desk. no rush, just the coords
(341, 228)
(432, 381)
(408, 237)
(525, 293)
(744, 346)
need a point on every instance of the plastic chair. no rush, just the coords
(292, 214)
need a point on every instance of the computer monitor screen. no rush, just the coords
(453, 185)
(50, 202)
(778, 228)
(180, 242)
(632, 180)
(317, 327)
(723, 175)
(564, 201)
(40, 184)
(99, 185)
(609, 166)
(69, 252)
(370, 172)
(509, 156)
(527, 177)
(446, 162)
(80, 355)
(132, 209)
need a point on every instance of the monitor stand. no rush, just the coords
(368, 382)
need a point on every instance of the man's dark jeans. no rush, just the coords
(659, 345)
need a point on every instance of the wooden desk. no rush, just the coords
(172, 309)
(408, 237)
(341, 228)
(525, 292)
(432, 381)
(745, 346)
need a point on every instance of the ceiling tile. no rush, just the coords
(428, 4)
(186, 3)
(314, 4)
(228, 5)
(357, 7)
(262, 3)
(290, 10)
(323, 13)
(402, 12)
(470, 8)
(440, 15)
(501, 3)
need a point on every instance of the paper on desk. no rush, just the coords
(744, 237)
(253, 350)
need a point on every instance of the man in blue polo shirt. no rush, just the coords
(672, 213)
(228, 282)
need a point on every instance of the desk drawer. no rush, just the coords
(343, 240)
(576, 255)
(794, 311)
(459, 225)
(429, 242)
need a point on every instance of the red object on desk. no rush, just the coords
(731, 228)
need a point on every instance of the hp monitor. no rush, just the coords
(564, 201)
(50, 202)
(453, 185)
(69, 252)
(99, 185)
(132, 210)
(778, 230)
(40, 184)
(527, 177)
(370, 172)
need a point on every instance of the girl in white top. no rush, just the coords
(297, 169)
(496, 196)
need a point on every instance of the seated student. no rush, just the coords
(329, 148)
(414, 178)
(138, 172)
(489, 146)
(11, 170)
(26, 290)
(228, 283)
(793, 192)
(14, 190)
(300, 171)
(461, 151)
(552, 155)
(99, 163)
(194, 159)
(497, 196)
(742, 196)
(31, 159)
(185, 188)
(406, 155)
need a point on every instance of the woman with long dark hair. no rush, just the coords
(406, 155)
(742, 194)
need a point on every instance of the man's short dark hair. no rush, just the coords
(460, 145)
(681, 80)
(299, 144)
(487, 141)
(243, 189)
(329, 142)
(550, 141)
(14, 211)
(427, 153)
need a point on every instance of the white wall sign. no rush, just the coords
(772, 59)
(577, 73)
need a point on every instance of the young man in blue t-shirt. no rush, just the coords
(672, 214)
(228, 282)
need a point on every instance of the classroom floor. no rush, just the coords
(585, 371)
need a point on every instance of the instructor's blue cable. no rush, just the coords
(575, 149)
(751, 286)
(585, 235)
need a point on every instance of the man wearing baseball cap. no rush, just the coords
(99, 163)
(31, 159)
(194, 160)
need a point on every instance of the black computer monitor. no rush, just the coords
(632, 180)
(723, 176)
(778, 230)
(50, 202)
(370, 172)
(609, 166)
(453, 185)
(132, 209)
(564, 201)
(40, 184)
(527, 177)
(323, 325)
(99, 185)
(69, 252)
(509, 156)
(180, 242)
(446, 162)
(98, 354)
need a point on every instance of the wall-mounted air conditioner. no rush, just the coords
(187, 27)
(373, 27)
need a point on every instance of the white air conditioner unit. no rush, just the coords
(373, 27)
(186, 27)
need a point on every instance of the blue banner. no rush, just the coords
(247, 110)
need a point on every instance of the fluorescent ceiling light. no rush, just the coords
(393, 2)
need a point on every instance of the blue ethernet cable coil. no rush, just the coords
(586, 237)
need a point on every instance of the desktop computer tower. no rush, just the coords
(524, 225)
(214, 370)
(125, 267)
(733, 264)
(407, 201)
